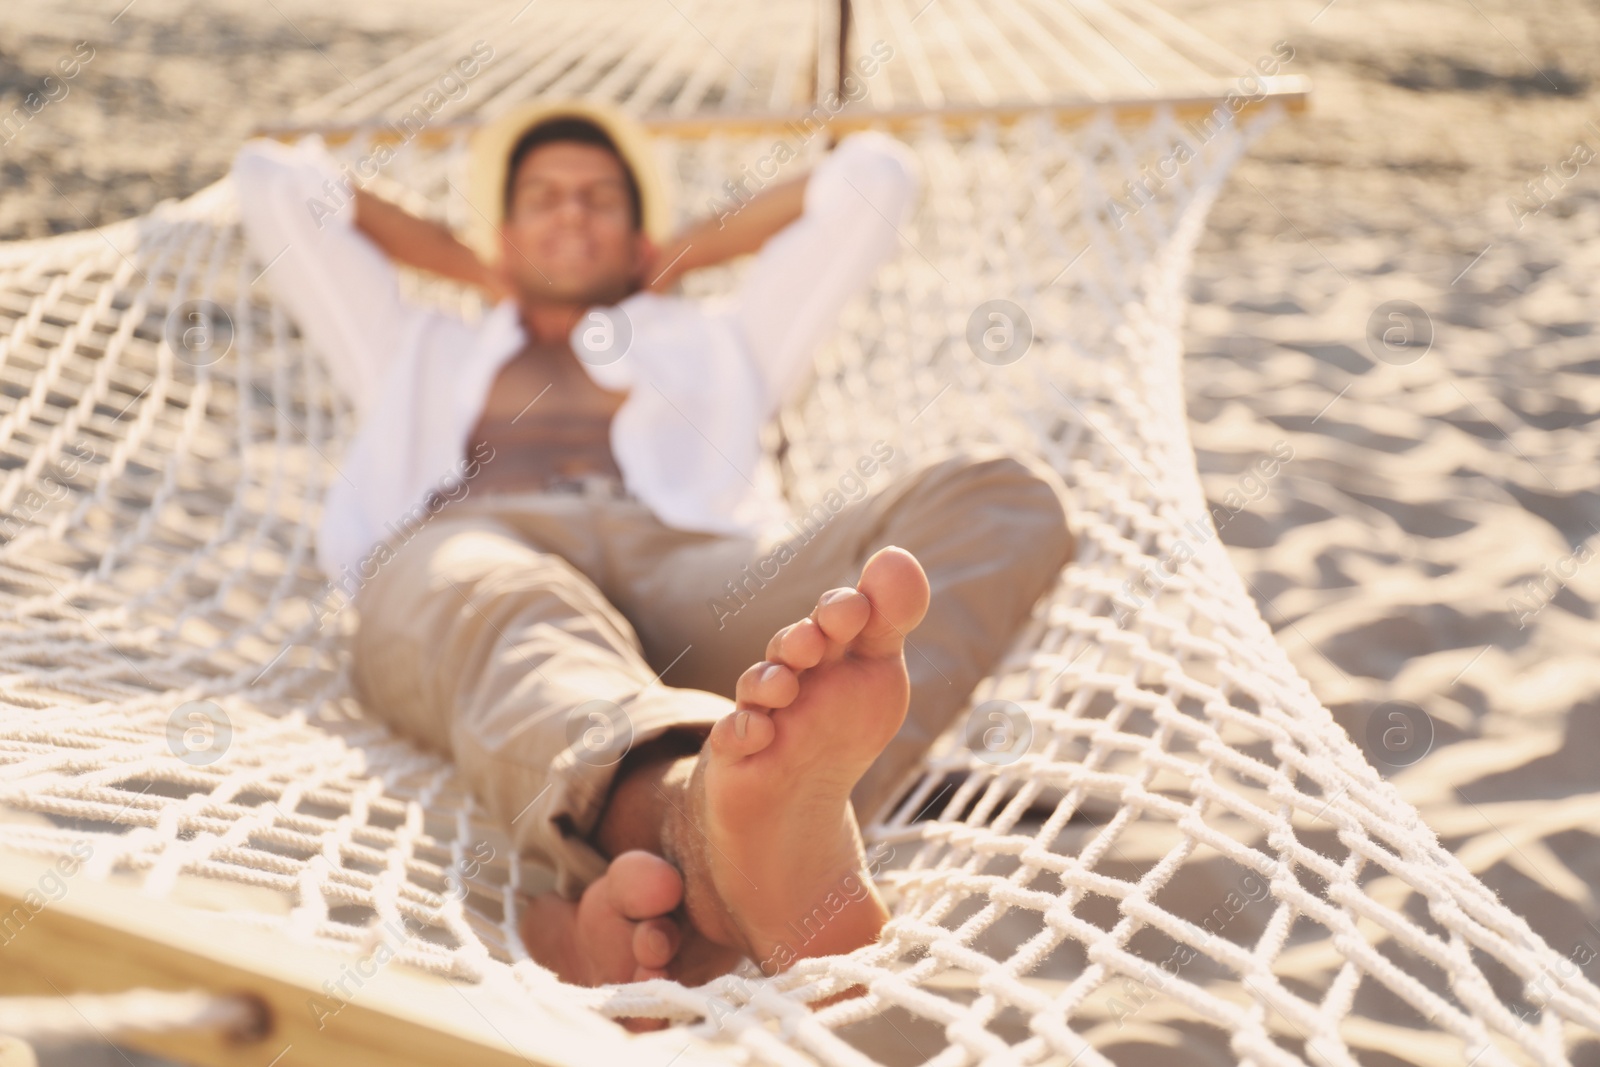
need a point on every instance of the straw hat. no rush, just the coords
(489, 153)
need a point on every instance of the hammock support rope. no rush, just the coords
(1172, 846)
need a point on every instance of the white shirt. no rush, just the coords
(703, 377)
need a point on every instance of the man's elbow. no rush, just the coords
(270, 181)
(258, 161)
(295, 185)
(884, 171)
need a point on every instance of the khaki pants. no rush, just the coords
(523, 633)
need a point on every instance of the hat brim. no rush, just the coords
(489, 154)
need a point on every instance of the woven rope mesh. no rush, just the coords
(1146, 841)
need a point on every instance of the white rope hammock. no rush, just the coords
(1174, 851)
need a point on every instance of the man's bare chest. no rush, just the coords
(546, 389)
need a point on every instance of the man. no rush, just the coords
(573, 566)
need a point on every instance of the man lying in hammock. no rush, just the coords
(573, 568)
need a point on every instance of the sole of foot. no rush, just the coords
(768, 842)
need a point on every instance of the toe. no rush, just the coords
(642, 885)
(777, 643)
(655, 942)
(799, 645)
(897, 588)
(767, 685)
(546, 926)
(840, 614)
(602, 937)
(740, 733)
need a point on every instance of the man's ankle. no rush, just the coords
(651, 782)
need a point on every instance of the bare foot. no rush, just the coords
(763, 830)
(621, 930)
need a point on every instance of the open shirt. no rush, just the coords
(703, 376)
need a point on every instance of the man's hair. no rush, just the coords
(571, 128)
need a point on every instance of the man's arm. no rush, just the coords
(856, 200)
(422, 243)
(338, 287)
(716, 239)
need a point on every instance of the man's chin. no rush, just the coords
(594, 294)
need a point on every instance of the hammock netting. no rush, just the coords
(1172, 852)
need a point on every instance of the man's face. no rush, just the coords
(568, 235)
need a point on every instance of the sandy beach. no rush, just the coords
(1400, 287)
(1431, 545)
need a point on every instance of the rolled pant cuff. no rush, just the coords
(561, 821)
